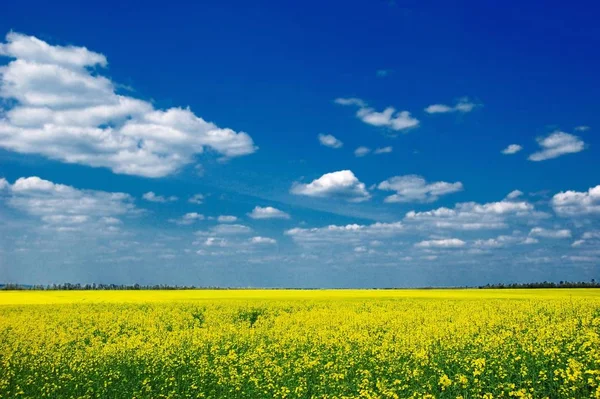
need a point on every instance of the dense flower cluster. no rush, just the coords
(301, 344)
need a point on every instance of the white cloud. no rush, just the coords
(413, 188)
(215, 242)
(443, 243)
(575, 203)
(546, 233)
(530, 240)
(389, 118)
(578, 243)
(557, 144)
(489, 243)
(60, 108)
(346, 234)
(514, 194)
(152, 197)
(227, 219)
(473, 216)
(463, 105)
(197, 199)
(589, 235)
(268, 212)
(3, 184)
(65, 208)
(341, 184)
(361, 151)
(187, 219)
(582, 128)
(383, 150)
(262, 240)
(350, 101)
(512, 149)
(330, 141)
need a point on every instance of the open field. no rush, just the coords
(300, 344)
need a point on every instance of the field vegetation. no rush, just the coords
(300, 344)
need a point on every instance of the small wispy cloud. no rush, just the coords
(362, 151)
(330, 141)
(512, 149)
(196, 199)
(389, 117)
(464, 105)
(152, 197)
(557, 144)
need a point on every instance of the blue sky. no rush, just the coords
(346, 144)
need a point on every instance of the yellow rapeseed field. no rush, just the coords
(300, 344)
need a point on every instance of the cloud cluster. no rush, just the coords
(341, 184)
(347, 234)
(557, 144)
(473, 216)
(389, 117)
(575, 203)
(413, 188)
(65, 208)
(442, 243)
(60, 107)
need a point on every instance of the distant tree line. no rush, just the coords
(125, 287)
(546, 284)
(101, 287)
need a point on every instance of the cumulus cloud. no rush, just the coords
(512, 149)
(413, 188)
(383, 150)
(262, 240)
(196, 199)
(361, 151)
(341, 184)
(330, 141)
(56, 104)
(389, 117)
(547, 233)
(557, 144)
(152, 197)
(65, 208)
(463, 105)
(575, 203)
(188, 218)
(443, 243)
(474, 216)
(268, 212)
